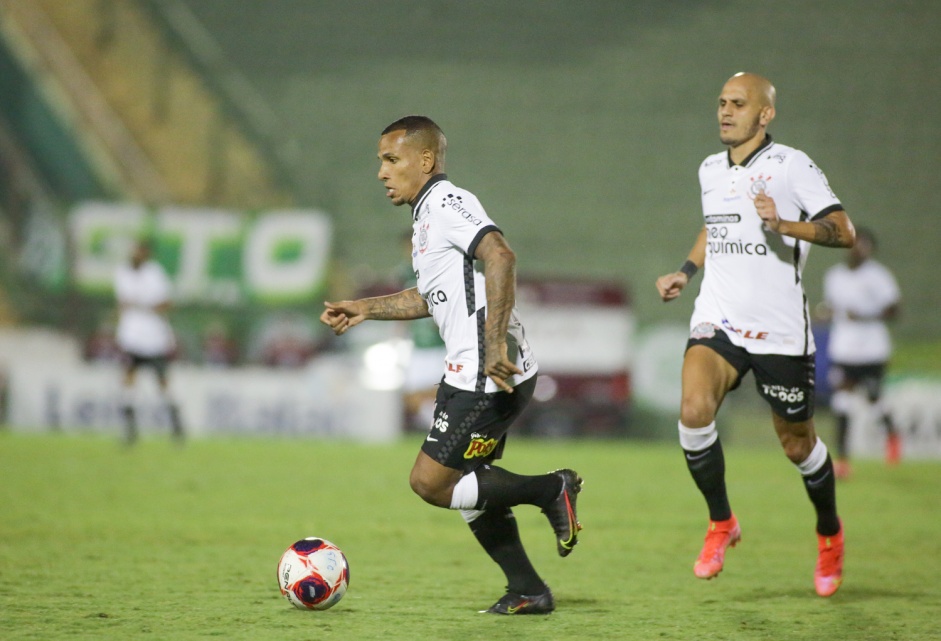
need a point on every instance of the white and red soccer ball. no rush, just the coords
(313, 574)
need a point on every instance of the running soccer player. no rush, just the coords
(861, 295)
(764, 204)
(144, 335)
(466, 275)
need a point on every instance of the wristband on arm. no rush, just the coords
(689, 268)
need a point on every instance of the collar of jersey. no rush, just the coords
(767, 142)
(434, 180)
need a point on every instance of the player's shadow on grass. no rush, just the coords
(584, 605)
(848, 594)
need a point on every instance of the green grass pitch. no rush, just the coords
(157, 542)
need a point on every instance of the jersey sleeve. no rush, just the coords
(809, 185)
(464, 221)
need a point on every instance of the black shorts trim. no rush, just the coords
(470, 428)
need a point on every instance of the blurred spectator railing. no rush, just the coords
(122, 166)
(153, 92)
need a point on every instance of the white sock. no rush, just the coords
(464, 496)
(816, 460)
(471, 515)
(696, 439)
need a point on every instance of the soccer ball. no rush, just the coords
(313, 574)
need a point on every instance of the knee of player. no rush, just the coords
(697, 410)
(796, 448)
(429, 491)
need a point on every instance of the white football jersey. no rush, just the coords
(141, 330)
(449, 222)
(866, 291)
(752, 284)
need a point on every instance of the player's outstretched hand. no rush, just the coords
(343, 315)
(671, 285)
(767, 211)
(498, 367)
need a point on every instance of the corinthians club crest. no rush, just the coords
(423, 237)
(759, 184)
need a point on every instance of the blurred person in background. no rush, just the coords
(764, 204)
(102, 346)
(219, 349)
(466, 281)
(860, 296)
(143, 294)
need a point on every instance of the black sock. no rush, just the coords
(130, 423)
(888, 424)
(842, 429)
(708, 469)
(497, 532)
(821, 488)
(497, 487)
(175, 424)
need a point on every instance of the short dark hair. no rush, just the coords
(426, 130)
(413, 125)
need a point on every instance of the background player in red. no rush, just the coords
(466, 281)
(764, 204)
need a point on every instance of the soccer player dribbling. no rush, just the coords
(466, 281)
(764, 204)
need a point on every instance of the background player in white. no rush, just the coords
(144, 334)
(763, 204)
(466, 275)
(860, 296)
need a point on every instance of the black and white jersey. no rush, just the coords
(752, 285)
(858, 297)
(449, 223)
(142, 330)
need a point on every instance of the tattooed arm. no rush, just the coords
(833, 230)
(405, 305)
(500, 273)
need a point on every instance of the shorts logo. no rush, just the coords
(784, 394)
(480, 447)
(441, 423)
(703, 330)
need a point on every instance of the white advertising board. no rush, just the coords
(50, 388)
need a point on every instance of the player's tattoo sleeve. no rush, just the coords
(405, 305)
(827, 232)
(500, 272)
